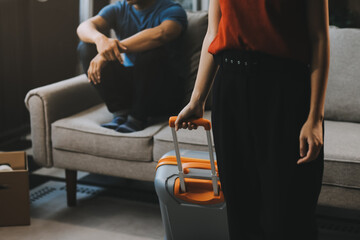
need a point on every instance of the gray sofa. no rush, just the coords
(66, 118)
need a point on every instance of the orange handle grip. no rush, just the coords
(198, 165)
(199, 122)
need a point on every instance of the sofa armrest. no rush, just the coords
(52, 102)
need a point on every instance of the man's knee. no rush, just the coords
(152, 56)
(86, 51)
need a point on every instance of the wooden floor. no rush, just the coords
(99, 215)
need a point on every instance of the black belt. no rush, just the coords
(257, 61)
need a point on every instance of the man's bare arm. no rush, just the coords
(92, 31)
(153, 37)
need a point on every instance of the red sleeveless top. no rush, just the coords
(277, 27)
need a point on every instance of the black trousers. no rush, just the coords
(149, 89)
(260, 104)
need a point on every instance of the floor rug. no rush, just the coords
(97, 216)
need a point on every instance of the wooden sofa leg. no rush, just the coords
(71, 177)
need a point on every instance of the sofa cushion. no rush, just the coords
(82, 133)
(342, 95)
(192, 140)
(342, 154)
(341, 147)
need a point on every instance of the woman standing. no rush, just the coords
(271, 59)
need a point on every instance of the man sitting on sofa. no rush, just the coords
(147, 82)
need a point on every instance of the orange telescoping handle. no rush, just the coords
(207, 125)
(197, 165)
(199, 122)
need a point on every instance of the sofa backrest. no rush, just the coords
(343, 90)
(192, 43)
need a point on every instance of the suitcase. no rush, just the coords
(191, 201)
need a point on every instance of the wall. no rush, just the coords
(38, 46)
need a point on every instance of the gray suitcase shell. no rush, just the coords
(183, 220)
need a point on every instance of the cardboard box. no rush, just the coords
(14, 190)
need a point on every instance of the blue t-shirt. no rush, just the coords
(127, 21)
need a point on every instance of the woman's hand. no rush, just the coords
(94, 71)
(311, 141)
(193, 110)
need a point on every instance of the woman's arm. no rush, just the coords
(311, 133)
(206, 72)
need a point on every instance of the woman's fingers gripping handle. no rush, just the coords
(196, 122)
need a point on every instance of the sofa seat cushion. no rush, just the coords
(342, 154)
(82, 133)
(341, 148)
(192, 140)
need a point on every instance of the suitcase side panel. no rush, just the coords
(186, 220)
